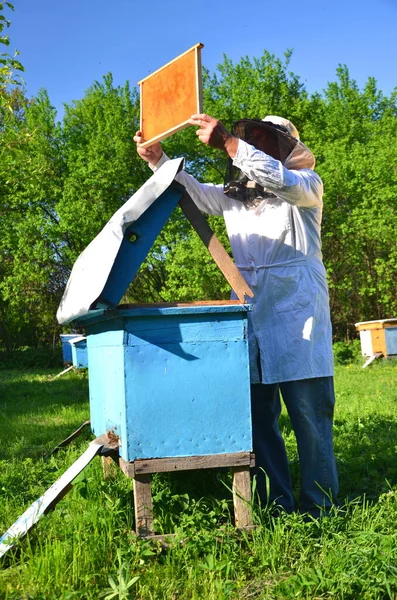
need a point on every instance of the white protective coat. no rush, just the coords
(277, 248)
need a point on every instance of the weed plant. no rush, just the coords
(85, 548)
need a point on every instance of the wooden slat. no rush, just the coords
(71, 437)
(143, 505)
(218, 252)
(189, 463)
(108, 467)
(185, 463)
(178, 304)
(127, 467)
(242, 497)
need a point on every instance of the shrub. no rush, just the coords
(27, 357)
(347, 352)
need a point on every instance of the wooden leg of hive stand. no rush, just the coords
(143, 505)
(108, 467)
(242, 497)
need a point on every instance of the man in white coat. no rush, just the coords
(273, 215)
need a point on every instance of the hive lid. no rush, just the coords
(103, 271)
(76, 340)
(378, 323)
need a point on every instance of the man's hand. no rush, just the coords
(152, 154)
(213, 133)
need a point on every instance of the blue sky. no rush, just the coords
(65, 45)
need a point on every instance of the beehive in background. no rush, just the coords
(378, 337)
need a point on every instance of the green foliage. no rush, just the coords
(26, 357)
(10, 66)
(31, 247)
(355, 144)
(102, 167)
(346, 352)
(120, 590)
(60, 185)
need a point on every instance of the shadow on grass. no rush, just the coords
(38, 411)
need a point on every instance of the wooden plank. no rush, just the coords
(108, 467)
(217, 251)
(179, 304)
(49, 499)
(190, 463)
(170, 96)
(371, 359)
(242, 497)
(127, 467)
(143, 505)
(64, 371)
(378, 341)
(71, 437)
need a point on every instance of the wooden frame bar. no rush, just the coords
(242, 497)
(216, 249)
(143, 506)
(189, 463)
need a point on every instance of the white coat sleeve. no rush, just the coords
(302, 188)
(208, 197)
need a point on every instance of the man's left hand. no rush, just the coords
(213, 133)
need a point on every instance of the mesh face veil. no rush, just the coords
(273, 139)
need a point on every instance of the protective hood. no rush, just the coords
(300, 157)
(278, 138)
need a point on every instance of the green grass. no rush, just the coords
(85, 549)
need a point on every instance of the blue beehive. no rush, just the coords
(79, 352)
(67, 348)
(167, 380)
(171, 381)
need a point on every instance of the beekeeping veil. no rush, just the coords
(275, 136)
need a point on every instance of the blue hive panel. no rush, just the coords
(391, 340)
(107, 383)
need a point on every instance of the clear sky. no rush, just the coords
(65, 45)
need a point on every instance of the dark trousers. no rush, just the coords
(310, 405)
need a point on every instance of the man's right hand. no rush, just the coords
(152, 154)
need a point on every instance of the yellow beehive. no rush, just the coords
(378, 337)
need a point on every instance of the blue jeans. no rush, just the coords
(310, 404)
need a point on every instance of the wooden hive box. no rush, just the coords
(171, 381)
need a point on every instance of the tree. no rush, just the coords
(61, 182)
(31, 172)
(68, 180)
(353, 134)
(10, 67)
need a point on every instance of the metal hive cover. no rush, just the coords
(103, 271)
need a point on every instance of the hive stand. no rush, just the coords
(140, 472)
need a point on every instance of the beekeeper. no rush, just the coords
(272, 206)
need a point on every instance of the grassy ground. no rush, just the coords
(85, 549)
